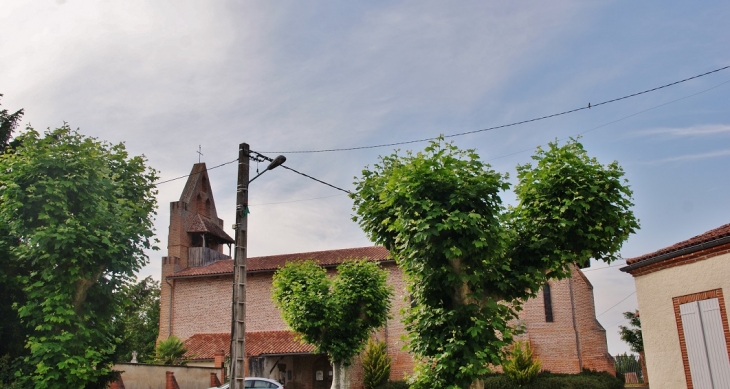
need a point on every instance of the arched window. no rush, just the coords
(204, 185)
(203, 206)
(548, 299)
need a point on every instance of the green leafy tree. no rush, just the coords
(138, 324)
(628, 363)
(8, 123)
(12, 331)
(336, 315)
(375, 364)
(632, 336)
(171, 351)
(77, 214)
(470, 263)
(521, 367)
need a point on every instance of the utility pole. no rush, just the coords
(238, 321)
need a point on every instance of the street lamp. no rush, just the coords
(276, 162)
(238, 306)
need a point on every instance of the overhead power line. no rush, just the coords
(620, 119)
(261, 157)
(589, 106)
(312, 178)
(502, 126)
(188, 175)
(616, 305)
(601, 268)
(295, 201)
(257, 157)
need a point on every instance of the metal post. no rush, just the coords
(238, 317)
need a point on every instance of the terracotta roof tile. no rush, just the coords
(717, 233)
(273, 262)
(204, 346)
(275, 342)
(187, 193)
(221, 267)
(203, 224)
(324, 258)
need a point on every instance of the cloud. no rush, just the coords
(692, 157)
(678, 132)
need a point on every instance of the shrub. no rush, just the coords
(547, 380)
(375, 364)
(171, 351)
(394, 385)
(520, 367)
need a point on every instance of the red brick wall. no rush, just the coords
(261, 313)
(401, 361)
(178, 241)
(202, 305)
(555, 342)
(592, 336)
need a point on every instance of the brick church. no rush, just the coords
(197, 277)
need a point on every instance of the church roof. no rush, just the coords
(188, 191)
(696, 243)
(273, 262)
(201, 223)
(204, 346)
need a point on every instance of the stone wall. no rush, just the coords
(143, 376)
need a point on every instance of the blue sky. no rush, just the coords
(283, 76)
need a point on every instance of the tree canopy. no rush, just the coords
(471, 262)
(632, 335)
(138, 323)
(8, 123)
(77, 217)
(335, 314)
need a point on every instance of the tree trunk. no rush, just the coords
(340, 376)
(82, 287)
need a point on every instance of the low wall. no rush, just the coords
(143, 376)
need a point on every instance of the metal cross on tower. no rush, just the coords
(200, 153)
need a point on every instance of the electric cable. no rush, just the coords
(507, 125)
(312, 178)
(618, 120)
(188, 175)
(263, 157)
(615, 305)
(589, 106)
(601, 268)
(294, 201)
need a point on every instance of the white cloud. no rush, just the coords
(692, 157)
(677, 132)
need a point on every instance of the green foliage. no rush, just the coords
(171, 351)
(8, 123)
(76, 218)
(632, 336)
(547, 380)
(394, 385)
(8, 368)
(628, 363)
(12, 331)
(138, 325)
(375, 364)
(336, 315)
(520, 367)
(470, 262)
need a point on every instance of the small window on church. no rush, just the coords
(548, 299)
(204, 185)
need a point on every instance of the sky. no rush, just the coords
(169, 77)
